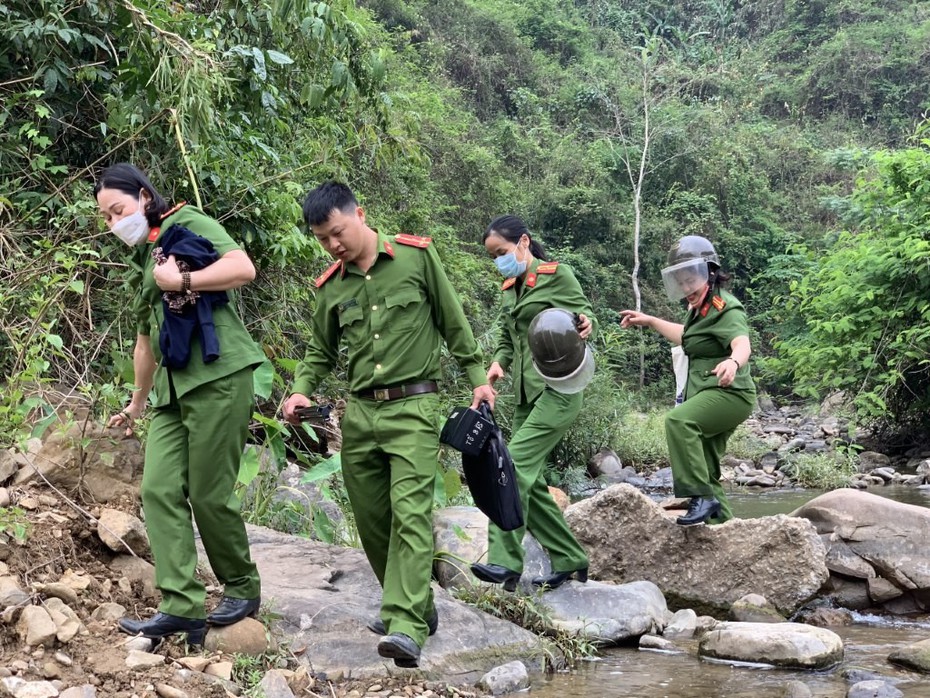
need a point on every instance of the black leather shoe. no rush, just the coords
(496, 574)
(377, 625)
(699, 510)
(233, 610)
(402, 649)
(557, 579)
(162, 625)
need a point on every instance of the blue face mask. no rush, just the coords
(508, 265)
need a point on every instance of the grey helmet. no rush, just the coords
(692, 247)
(560, 355)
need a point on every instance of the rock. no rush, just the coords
(654, 642)
(779, 429)
(142, 644)
(20, 688)
(606, 613)
(4, 497)
(35, 627)
(824, 617)
(507, 678)
(881, 590)
(222, 670)
(65, 619)
(117, 529)
(682, 625)
(869, 460)
(75, 580)
(460, 533)
(194, 662)
(754, 608)
(51, 670)
(108, 612)
(796, 689)
(561, 499)
(761, 481)
(605, 463)
(707, 568)
(143, 660)
(274, 685)
(10, 593)
(842, 560)
(166, 691)
(85, 691)
(847, 593)
(790, 645)
(873, 689)
(59, 591)
(915, 656)
(135, 569)
(890, 535)
(247, 637)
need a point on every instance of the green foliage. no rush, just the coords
(826, 471)
(562, 650)
(864, 304)
(13, 522)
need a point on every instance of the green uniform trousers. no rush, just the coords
(697, 431)
(390, 453)
(537, 428)
(191, 464)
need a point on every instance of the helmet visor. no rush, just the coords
(577, 380)
(684, 278)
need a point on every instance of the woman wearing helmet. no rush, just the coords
(542, 414)
(720, 394)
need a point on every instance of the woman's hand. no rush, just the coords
(495, 373)
(168, 276)
(127, 417)
(726, 372)
(584, 325)
(634, 318)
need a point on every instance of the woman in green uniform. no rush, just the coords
(720, 393)
(201, 410)
(542, 415)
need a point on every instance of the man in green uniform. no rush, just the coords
(390, 301)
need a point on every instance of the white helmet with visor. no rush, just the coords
(689, 264)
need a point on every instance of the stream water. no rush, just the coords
(633, 673)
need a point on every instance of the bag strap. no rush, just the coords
(485, 409)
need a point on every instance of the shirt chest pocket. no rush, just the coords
(404, 310)
(349, 315)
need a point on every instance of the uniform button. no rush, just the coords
(374, 307)
(367, 277)
(377, 336)
(378, 367)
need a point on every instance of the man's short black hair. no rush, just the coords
(320, 202)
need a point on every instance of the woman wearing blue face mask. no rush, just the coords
(193, 362)
(542, 415)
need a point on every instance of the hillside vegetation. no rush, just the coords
(792, 133)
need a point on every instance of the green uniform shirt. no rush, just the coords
(706, 340)
(237, 349)
(547, 285)
(392, 318)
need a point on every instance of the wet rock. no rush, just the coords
(847, 593)
(790, 645)
(796, 689)
(606, 613)
(507, 678)
(654, 642)
(702, 567)
(915, 656)
(824, 617)
(117, 529)
(682, 625)
(873, 689)
(754, 608)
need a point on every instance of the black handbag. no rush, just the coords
(492, 478)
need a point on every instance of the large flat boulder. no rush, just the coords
(707, 568)
(790, 645)
(876, 539)
(326, 594)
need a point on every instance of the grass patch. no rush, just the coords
(562, 650)
(827, 471)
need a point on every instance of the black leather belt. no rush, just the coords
(396, 392)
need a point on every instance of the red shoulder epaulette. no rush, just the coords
(547, 268)
(326, 275)
(155, 232)
(718, 303)
(413, 240)
(508, 283)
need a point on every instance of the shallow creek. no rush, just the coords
(632, 673)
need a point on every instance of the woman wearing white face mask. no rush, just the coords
(201, 410)
(542, 415)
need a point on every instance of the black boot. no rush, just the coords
(699, 510)
(233, 610)
(402, 649)
(162, 625)
(377, 625)
(557, 579)
(496, 574)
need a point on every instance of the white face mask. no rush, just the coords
(133, 228)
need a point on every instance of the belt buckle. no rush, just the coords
(382, 394)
